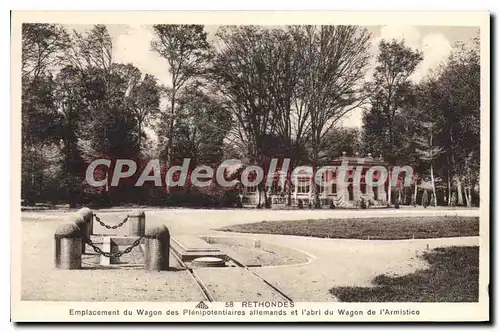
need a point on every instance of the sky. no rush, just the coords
(131, 44)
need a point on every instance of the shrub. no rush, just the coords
(192, 197)
(269, 203)
(239, 203)
(332, 205)
(362, 204)
(300, 204)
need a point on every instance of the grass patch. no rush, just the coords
(453, 276)
(392, 228)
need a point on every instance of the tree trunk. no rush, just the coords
(415, 192)
(434, 198)
(389, 189)
(460, 198)
(316, 203)
(289, 193)
(265, 198)
(449, 190)
(468, 196)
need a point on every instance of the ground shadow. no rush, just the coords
(452, 276)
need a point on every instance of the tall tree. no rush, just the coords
(334, 61)
(42, 45)
(144, 100)
(390, 90)
(186, 50)
(72, 109)
(429, 151)
(200, 132)
(241, 70)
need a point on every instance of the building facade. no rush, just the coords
(345, 193)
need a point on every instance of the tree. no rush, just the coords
(429, 152)
(459, 86)
(339, 140)
(200, 132)
(39, 133)
(390, 90)
(451, 94)
(186, 50)
(333, 66)
(92, 49)
(241, 70)
(42, 45)
(144, 100)
(72, 109)
(110, 128)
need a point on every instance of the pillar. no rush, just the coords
(136, 223)
(68, 247)
(157, 249)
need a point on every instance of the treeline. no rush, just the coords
(252, 94)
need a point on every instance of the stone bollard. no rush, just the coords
(157, 249)
(68, 247)
(82, 225)
(88, 216)
(136, 223)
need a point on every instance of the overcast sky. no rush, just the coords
(131, 44)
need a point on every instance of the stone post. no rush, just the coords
(82, 225)
(157, 249)
(88, 216)
(68, 247)
(136, 223)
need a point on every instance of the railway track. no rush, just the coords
(230, 262)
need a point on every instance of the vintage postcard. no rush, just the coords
(250, 166)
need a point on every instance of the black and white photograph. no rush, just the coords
(219, 169)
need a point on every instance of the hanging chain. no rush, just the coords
(113, 226)
(113, 254)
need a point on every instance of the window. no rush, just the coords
(302, 187)
(334, 188)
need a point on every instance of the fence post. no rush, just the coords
(157, 249)
(108, 245)
(136, 223)
(88, 216)
(68, 247)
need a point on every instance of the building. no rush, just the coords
(343, 193)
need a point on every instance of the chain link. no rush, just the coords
(113, 254)
(113, 226)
